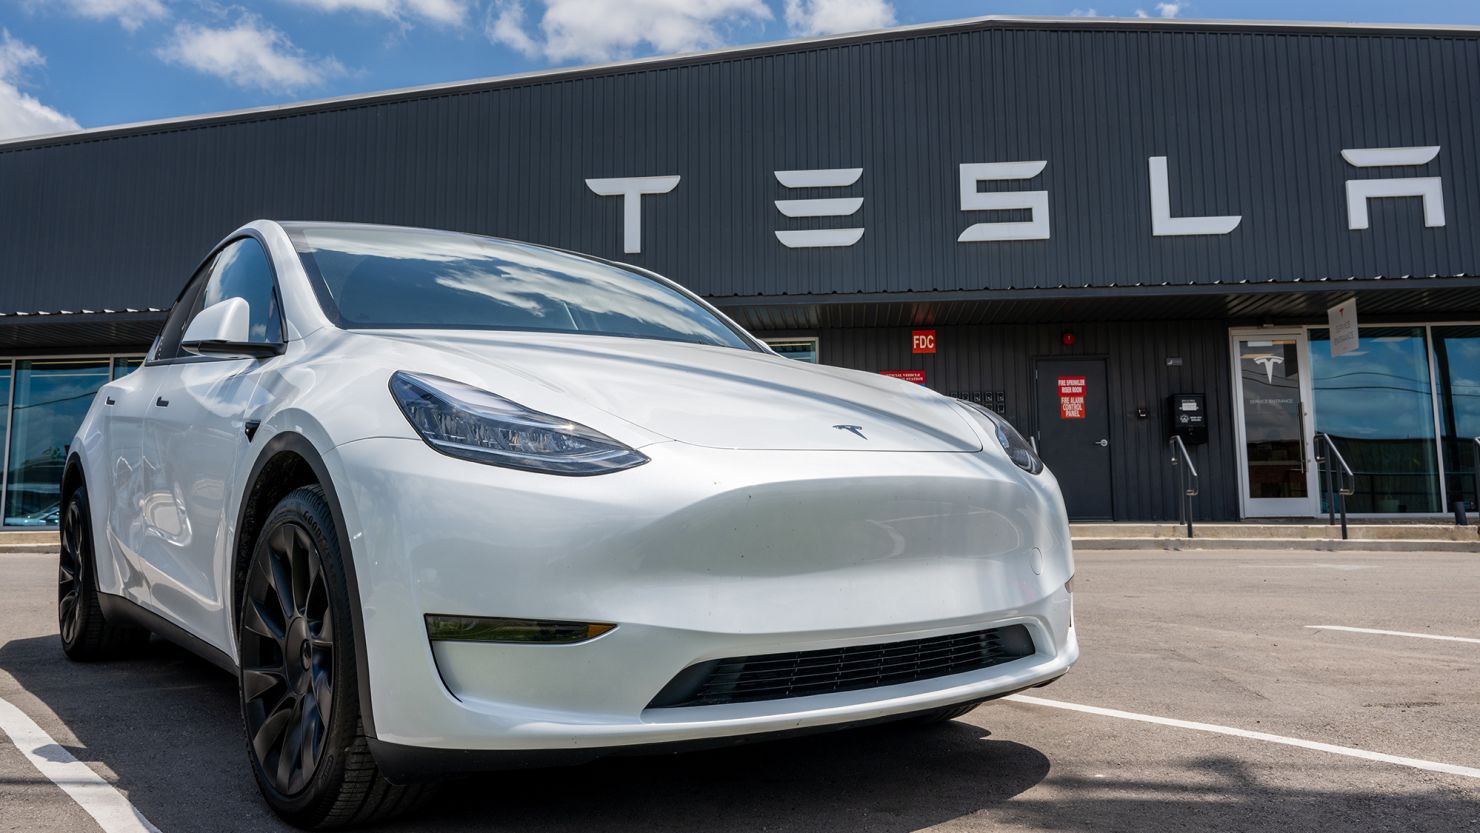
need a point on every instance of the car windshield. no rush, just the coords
(369, 277)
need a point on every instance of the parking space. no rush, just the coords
(1223, 639)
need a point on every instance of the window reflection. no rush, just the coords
(1377, 404)
(800, 349)
(369, 277)
(51, 398)
(1457, 362)
(124, 366)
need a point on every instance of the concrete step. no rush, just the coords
(24, 548)
(1283, 531)
(11, 537)
(1309, 544)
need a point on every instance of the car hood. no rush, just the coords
(717, 397)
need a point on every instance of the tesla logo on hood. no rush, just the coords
(852, 429)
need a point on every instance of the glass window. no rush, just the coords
(1457, 363)
(168, 344)
(801, 349)
(1377, 404)
(373, 277)
(51, 398)
(124, 366)
(242, 271)
(1274, 433)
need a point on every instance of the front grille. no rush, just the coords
(777, 676)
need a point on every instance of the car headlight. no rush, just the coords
(1019, 451)
(462, 421)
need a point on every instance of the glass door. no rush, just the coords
(1277, 470)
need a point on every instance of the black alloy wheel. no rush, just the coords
(299, 680)
(287, 658)
(69, 574)
(86, 635)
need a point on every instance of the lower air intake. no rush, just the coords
(804, 673)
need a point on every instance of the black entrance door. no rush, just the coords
(1074, 433)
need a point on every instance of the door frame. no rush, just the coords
(1250, 507)
(1111, 406)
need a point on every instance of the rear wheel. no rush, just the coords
(86, 635)
(299, 689)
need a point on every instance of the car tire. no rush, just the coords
(298, 680)
(86, 635)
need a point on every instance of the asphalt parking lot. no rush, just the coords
(1221, 639)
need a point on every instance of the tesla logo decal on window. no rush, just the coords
(852, 429)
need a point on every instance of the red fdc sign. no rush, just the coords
(1071, 397)
(916, 376)
(923, 341)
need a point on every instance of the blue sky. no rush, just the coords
(89, 63)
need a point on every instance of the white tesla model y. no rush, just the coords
(446, 503)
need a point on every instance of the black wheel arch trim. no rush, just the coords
(118, 610)
(298, 444)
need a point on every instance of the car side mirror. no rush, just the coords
(223, 329)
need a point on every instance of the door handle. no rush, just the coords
(1103, 443)
(161, 402)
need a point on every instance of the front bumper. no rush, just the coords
(700, 554)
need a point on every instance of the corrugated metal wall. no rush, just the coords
(1253, 122)
(1001, 358)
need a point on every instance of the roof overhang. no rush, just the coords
(1426, 299)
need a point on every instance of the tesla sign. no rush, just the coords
(1008, 186)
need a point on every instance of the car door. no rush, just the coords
(133, 475)
(196, 430)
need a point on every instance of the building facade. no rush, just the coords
(1091, 226)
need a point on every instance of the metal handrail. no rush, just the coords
(1475, 476)
(1336, 493)
(1186, 486)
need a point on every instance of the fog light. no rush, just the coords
(493, 629)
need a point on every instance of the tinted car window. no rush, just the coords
(180, 314)
(242, 271)
(375, 277)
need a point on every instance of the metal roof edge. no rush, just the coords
(1071, 293)
(736, 52)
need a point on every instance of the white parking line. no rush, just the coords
(1415, 763)
(1394, 633)
(105, 804)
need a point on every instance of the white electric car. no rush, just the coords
(447, 503)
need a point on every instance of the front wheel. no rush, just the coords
(86, 635)
(299, 688)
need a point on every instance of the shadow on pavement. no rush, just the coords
(166, 724)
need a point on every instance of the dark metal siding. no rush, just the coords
(981, 358)
(1253, 122)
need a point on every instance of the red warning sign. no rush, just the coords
(1071, 397)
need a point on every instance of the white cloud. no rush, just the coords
(130, 14)
(506, 25)
(250, 54)
(827, 17)
(1164, 10)
(22, 114)
(604, 30)
(1084, 13)
(445, 12)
